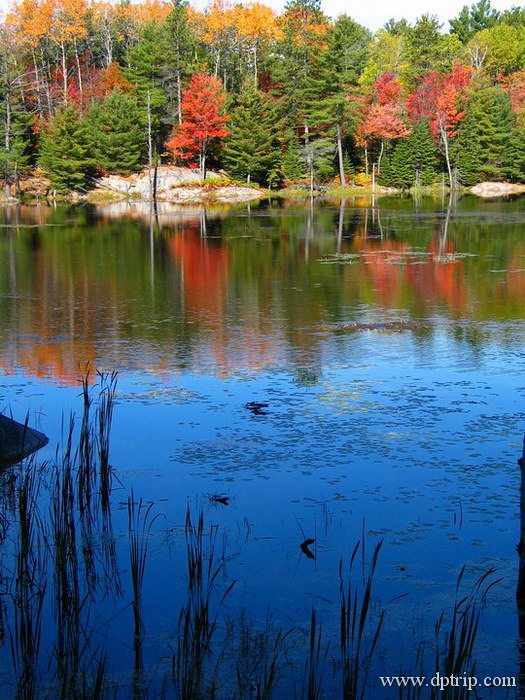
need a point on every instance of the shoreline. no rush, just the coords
(178, 185)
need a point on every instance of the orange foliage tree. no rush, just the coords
(256, 28)
(202, 121)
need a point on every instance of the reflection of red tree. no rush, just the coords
(380, 258)
(204, 269)
(515, 278)
(448, 273)
(393, 266)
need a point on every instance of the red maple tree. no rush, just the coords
(202, 121)
(383, 114)
(441, 99)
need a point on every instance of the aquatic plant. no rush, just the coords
(355, 616)
(192, 678)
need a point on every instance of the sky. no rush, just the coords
(374, 13)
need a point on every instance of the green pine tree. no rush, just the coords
(293, 167)
(251, 150)
(293, 59)
(516, 169)
(120, 135)
(179, 57)
(424, 153)
(482, 148)
(146, 62)
(411, 160)
(15, 141)
(473, 19)
(397, 169)
(67, 150)
(15, 121)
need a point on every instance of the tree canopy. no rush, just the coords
(267, 96)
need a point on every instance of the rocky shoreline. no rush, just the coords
(170, 184)
(181, 186)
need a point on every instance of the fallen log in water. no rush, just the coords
(17, 441)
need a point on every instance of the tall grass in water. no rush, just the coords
(357, 642)
(192, 677)
(29, 583)
(55, 574)
(257, 657)
(454, 655)
(315, 661)
(66, 567)
(94, 469)
(108, 388)
(454, 644)
(86, 472)
(139, 528)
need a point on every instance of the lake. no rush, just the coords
(306, 377)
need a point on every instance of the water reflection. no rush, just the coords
(311, 367)
(520, 590)
(242, 289)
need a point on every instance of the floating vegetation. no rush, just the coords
(394, 257)
(386, 326)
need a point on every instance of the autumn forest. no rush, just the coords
(275, 100)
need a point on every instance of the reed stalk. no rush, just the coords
(357, 642)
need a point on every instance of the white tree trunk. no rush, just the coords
(340, 156)
(64, 70)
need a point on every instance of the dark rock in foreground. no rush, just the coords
(18, 441)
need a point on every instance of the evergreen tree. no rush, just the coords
(146, 68)
(177, 63)
(67, 150)
(15, 122)
(397, 168)
(349, 49)
(516, 169)
(120, 136)
(293, 167)
(304, 37)
(422, 45)
(482, 149)
(474, 19)
(251, 150)
(15, 144)
(424, 153)
(411, 160)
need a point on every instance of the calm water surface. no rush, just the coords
(409, 433)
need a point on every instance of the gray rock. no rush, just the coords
(138, 185)
(497, 189)
(18, 441)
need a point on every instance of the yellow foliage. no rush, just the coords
(255, 23)
(362, 180)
